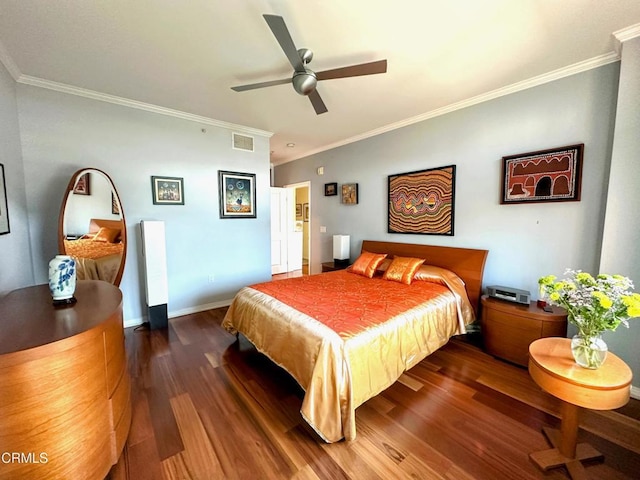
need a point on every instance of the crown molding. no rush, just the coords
(501, 92)
(8, 62)
(625, 34)
(125, 102)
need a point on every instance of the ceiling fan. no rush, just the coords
(305, 80)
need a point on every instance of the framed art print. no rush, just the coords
(167, 190)
(423, 201)
(330, 189)
(350, 193)
(83, 186)
(4, 207)
(237, 194)
(545, 176)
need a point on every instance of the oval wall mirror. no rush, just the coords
(92, 227)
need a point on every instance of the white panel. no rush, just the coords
(155, 262)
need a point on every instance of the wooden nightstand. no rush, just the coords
(332, 266)
(509, 328)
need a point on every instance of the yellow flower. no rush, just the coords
(585, 278)
(605, 302)
(633, 304)
(555, 296)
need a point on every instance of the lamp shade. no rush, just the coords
(341, 252)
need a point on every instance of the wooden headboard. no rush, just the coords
(96, 223)
(467, 263)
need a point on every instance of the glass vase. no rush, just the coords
(589, 351)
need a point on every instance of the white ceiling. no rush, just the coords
(185, 55)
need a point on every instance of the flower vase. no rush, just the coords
(589, 351)
(62, 279)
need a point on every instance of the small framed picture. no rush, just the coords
(350, 193)
(237, 193)
(305, 212)
(167, 190)
(4, 208)
(83, 186)
(298, 211)
(330, 189)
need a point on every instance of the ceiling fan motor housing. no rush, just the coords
(304, 82)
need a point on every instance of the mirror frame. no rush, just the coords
(63, 207)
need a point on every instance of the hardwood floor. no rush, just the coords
(208, 407)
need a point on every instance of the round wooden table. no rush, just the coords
(553, 368)
(65, 391)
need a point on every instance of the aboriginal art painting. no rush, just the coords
(422, 202)
(544, 176)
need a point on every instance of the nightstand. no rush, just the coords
(509, 328)
(333, 266)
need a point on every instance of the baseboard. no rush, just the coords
(635, 392)
(134, 322)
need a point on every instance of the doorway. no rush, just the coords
(291, 230)
(303, 221)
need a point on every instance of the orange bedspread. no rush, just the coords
(95, 260)
(344, 337)
(87, 248)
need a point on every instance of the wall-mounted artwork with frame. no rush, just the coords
(350, 193)
(167, 190)
(330, 189)
(83, 186)
(552, 175)
(237, 193)
(298, 211)
(115, 206)
(422, 202)
(305, 212)
(4, 206)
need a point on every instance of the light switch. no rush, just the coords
(323, 229)
(320, 170)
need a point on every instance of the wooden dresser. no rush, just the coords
(65, 396)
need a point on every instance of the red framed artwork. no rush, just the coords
(553, 175)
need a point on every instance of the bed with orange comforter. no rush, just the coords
(345, 337)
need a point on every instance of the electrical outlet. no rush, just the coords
(212, 278)
(323, 229)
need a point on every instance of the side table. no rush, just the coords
(509, 328)
(553, 368)
(333, 266)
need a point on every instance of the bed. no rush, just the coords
(98, 253)
(347, 335)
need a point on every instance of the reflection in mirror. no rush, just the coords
(92, 227)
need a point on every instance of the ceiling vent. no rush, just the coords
(242, 142)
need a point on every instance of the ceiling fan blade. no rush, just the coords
(316, 101)
(370, 68)
(281, 32)
(253, 86)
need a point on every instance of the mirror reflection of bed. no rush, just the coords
(92, 228)
(98, 252)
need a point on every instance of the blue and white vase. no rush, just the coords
(62, 279)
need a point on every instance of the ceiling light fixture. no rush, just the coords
(291, 145)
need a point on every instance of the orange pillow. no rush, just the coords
(105, 234)
(402, 269)
(367, 263)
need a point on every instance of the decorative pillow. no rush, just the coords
(433, 274)
(108, 235)
(402, 269)
(367, 263)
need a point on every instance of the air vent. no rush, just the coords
(242, 142)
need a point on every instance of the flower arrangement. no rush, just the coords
(593, 305)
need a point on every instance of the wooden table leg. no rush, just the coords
(566, 452)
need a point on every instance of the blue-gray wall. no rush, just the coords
(62, 133)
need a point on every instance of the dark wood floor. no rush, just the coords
(208, 407)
